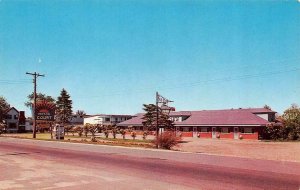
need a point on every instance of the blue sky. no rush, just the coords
(112, 56)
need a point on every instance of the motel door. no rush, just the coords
(214, 132)
(195, 132)
(236, 133)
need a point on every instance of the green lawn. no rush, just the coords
(76, 138)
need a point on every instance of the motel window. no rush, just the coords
(204, 129)
(107, 119)
(248, 130)
(224, 129)
(186, 129)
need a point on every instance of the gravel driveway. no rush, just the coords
(284, 151)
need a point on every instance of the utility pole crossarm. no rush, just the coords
(35, 74)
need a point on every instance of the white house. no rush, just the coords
(103, 119)
(12, 120)
(28, 124)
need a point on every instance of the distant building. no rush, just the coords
(230, 123)
(14, 120)
(28, 124)
(76, 119)
(103, 119)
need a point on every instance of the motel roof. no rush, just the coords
(212, 117)
(107, 115)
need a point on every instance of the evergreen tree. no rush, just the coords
(165, 122)
(150, 118)
(63, 107)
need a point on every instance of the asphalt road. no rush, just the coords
(27, 164)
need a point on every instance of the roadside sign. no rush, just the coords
(45, 111)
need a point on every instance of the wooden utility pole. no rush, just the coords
(35, 75)
(157, 116)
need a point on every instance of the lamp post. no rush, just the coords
(161, 104)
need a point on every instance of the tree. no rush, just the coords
(123, 133)
(89, 128)
(39, 97)
(267, 107)
(79, 130)
(149, 117)
(274, 131)
(133, 135)
(2, 128)
(80, 113)
(291, 122)
(63, 107)
(114, 131)
(3, 104)
(145, 134)
(3, 107)
(165, 122)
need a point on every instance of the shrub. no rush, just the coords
(145, 134)
(241, 137)
(123, 133)
(79, 131)
(92, 129)
(274, 132)
(114, 132)
(106, 133)
(85, 130)
(2, 128)
(167, 140)
(68, 128)
(93, 139)
(133, 135)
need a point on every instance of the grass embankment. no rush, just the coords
(87, 140)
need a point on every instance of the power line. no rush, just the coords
(241, 66)
(196, 83)
(153, 87)
(24, 81)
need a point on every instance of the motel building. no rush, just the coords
(224, 124)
